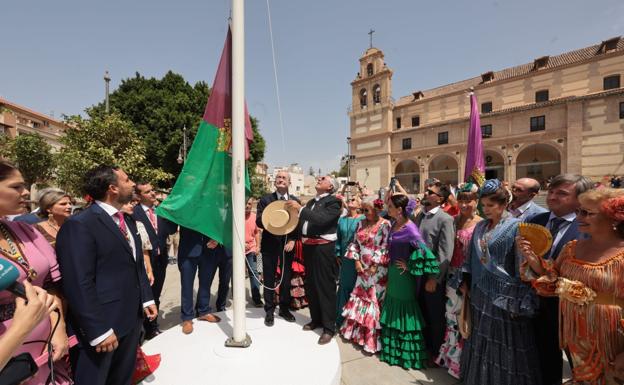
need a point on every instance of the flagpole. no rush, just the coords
(239, 335)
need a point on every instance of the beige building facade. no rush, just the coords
(562, 113)
(16, 119)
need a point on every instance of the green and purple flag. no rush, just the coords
(475, 163)
(201, 198)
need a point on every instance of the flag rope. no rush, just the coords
(277, 92)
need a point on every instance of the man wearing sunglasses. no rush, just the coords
(562, 201)
(522, 206)
(438, 231)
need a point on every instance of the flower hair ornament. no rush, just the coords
(378, 204)
(411, 206)
(614, 209)
(467, 187)
(489, 187)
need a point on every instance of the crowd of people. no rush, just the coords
(443, 279)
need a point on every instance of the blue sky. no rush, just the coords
(54, 53)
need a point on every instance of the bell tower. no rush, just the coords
(371, 120)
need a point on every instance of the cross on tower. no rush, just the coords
(370, 33)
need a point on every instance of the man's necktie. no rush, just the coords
(282, 198)
(555, 225)
(152, 218)
(122, 225)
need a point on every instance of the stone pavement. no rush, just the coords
(356, 367)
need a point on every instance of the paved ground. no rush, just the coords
(357, 369)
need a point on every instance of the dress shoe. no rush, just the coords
(187, 327)
(152, 333)
(269, 320)
(209, 318)
(285, 314)
(325, 338)
(310, 326)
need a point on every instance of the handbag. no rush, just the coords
(18, 369)
(464, 321)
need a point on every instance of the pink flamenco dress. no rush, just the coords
(41, 258)
(363, 309)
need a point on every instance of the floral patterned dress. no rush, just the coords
(451, 349)
(361, 313)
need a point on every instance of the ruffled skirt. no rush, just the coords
(501, 349)
(402, 323)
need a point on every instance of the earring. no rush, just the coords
(615, 225)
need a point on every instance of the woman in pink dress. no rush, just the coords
(370, 252)
(465, 222)
(30, 252)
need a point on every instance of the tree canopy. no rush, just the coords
(106, 139)
(159, 109)
(32, 155)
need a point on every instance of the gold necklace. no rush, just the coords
(15, 254)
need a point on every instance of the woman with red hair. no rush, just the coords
(588, 278)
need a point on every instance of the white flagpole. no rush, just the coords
(239, 337)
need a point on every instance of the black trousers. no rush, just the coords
(114, 368)
(270, 263)
(433, 306)
(546, 325)
(320, 283)
(159, 268)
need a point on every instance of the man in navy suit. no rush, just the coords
(562, 201)
(158, 229)
(104, 281)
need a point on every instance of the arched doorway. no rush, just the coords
(444, 168)
(494, 165)
(538, 161)
(408, 175)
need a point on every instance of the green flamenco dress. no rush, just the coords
(402, 322)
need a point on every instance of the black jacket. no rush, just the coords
(158, 241)
(273, 244)
(323, 218)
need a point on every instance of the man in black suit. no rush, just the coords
(104, 281)
(562, 201)
(158, 229)
(318, 221)
(277, 249)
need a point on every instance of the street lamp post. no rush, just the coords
(348, 158)
(106, 81)
(182, 152)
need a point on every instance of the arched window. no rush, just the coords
(369, 69)
(363, 98)
(377, 94)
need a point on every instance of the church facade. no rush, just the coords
(562, 113)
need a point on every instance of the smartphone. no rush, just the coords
(393, 184)
(351, 183)
(382, 193)
(18, 369)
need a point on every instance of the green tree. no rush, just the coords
(32, 155)
(102, 140)
(159, 109)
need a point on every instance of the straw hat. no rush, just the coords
(278, 220)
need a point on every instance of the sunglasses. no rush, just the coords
(584, 213)
(433, 192)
